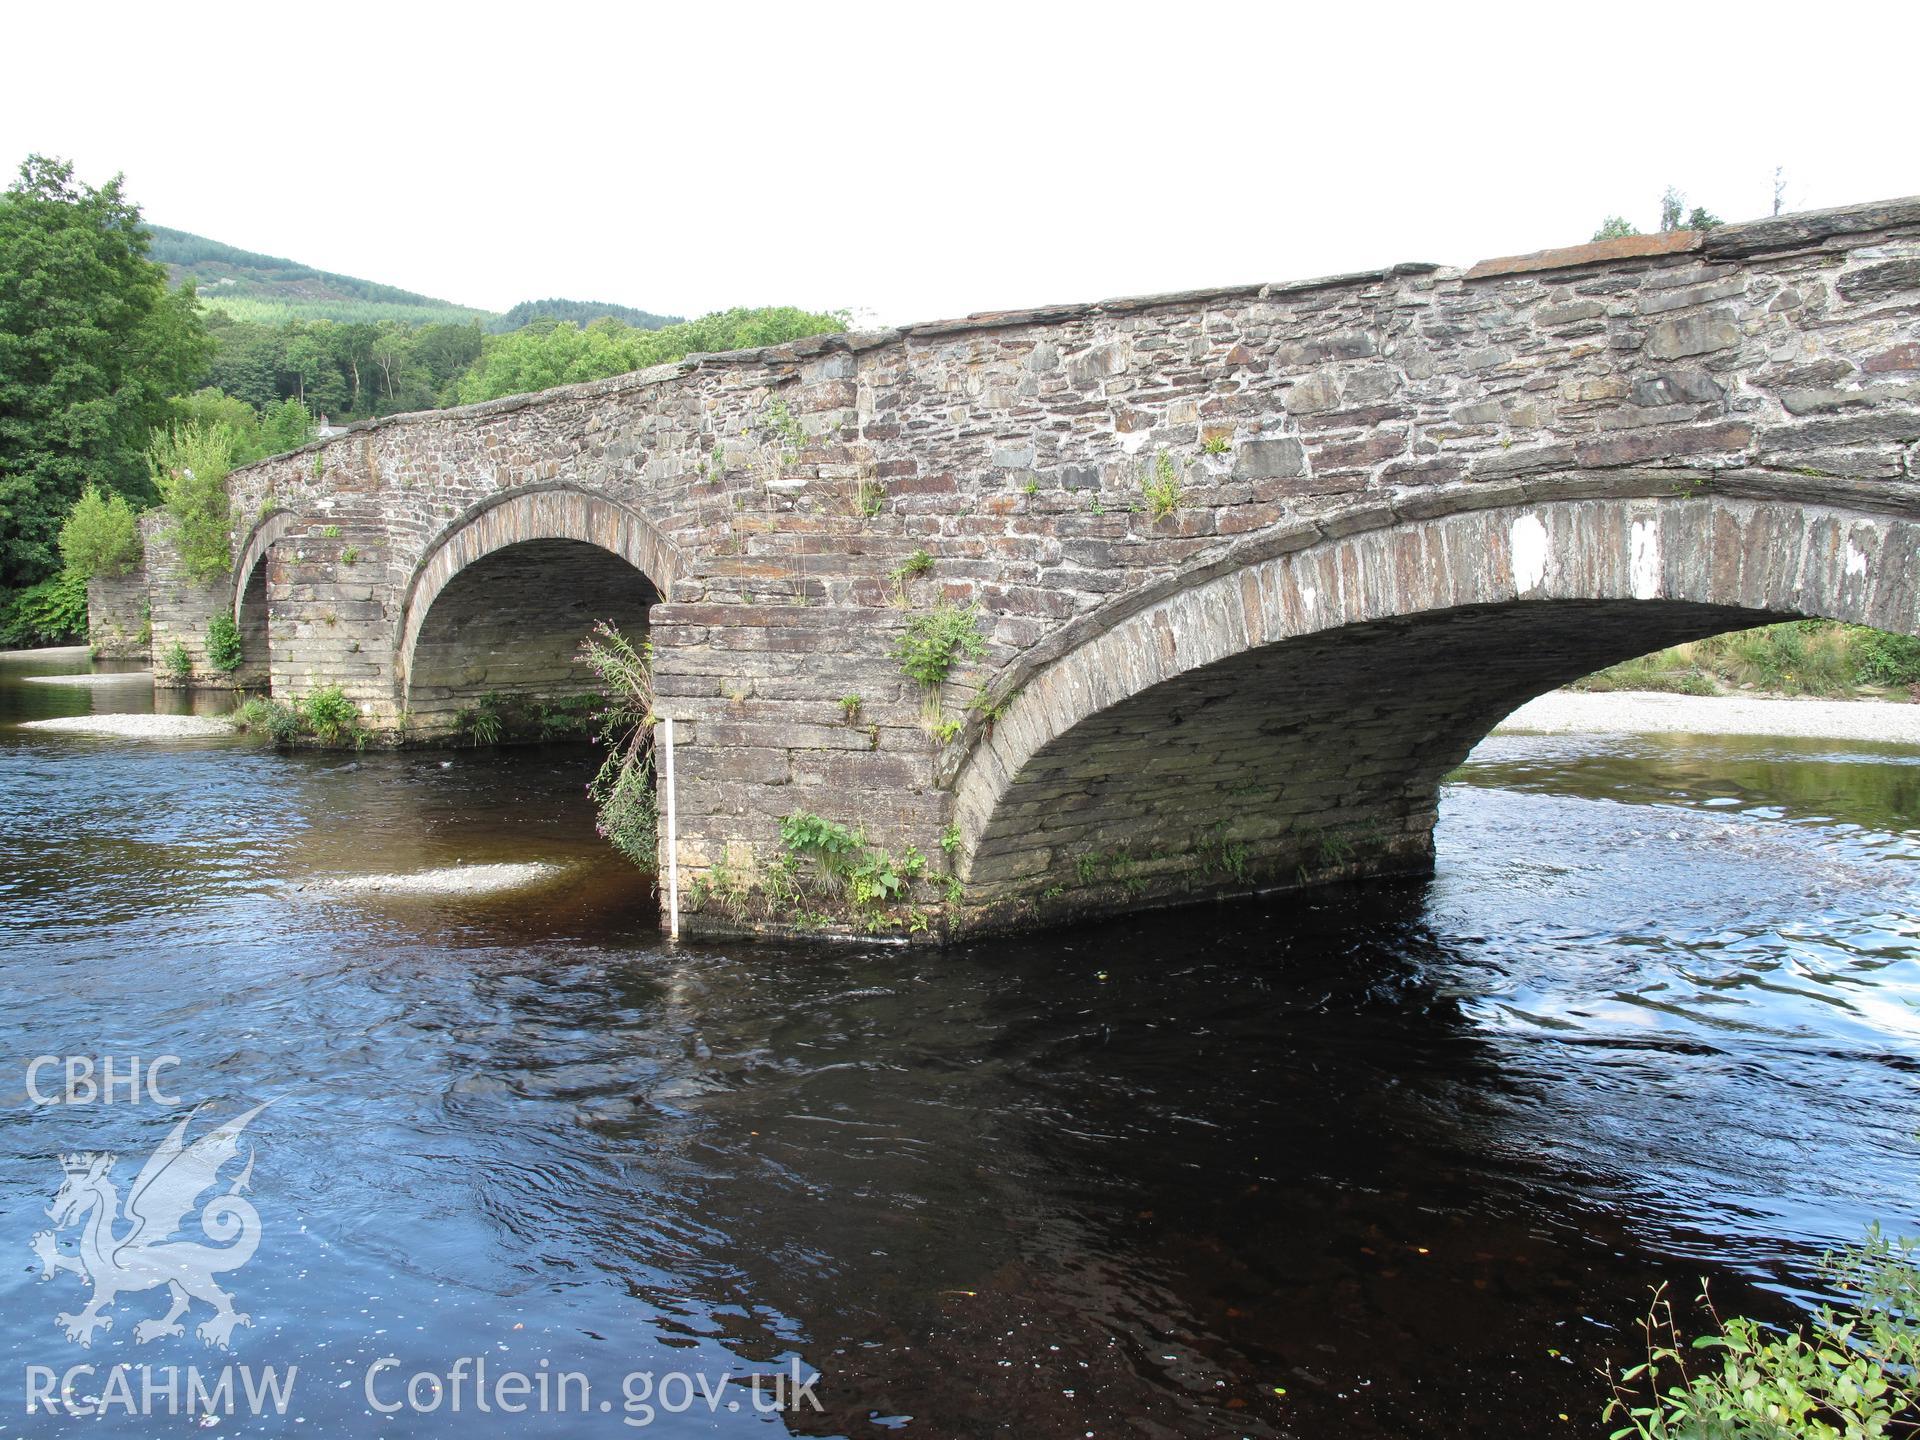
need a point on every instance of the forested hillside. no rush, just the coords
(139, 364)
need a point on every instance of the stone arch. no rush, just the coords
(1335, 684)
(552, 526)
(248, 601)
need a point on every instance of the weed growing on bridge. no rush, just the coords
(1216, 445)
(329, 532)
(223, 644)
(623, 789)
(947, 730)
(870, 498)
(826, 859)
(178, 661)
(1164, 488)
(937, 640)
(350, 555)
(850, 707)
(912, 568)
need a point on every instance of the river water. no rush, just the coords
(1397, 1162)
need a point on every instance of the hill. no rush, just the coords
(268, 290)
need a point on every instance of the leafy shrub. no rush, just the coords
(1850, 1372)
(190, 463)
(936, 641)
(331, 717)
(47, 613)
(261, 716)
(1889, 659)
(178, 661)
(100, 536)
(223, 644)
(827, 857)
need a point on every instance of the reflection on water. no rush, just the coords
(1411, 1156)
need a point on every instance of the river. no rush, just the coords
(1402, 1161)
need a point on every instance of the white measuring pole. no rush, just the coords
(673, 841)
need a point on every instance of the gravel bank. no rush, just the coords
(1575, 712)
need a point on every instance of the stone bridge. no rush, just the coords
(1254, 567)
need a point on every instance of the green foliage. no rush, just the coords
(1163, 487)
(623, 789)
(1216, 445)
(50, 613)
(350, 555)
(1853, 1371)
(834, 861)
(190, 463)
(177, 660)
(331, 718)
(541, 358)
(1888, 659)
(1795, 657)
(100, 536)
(917, 564)
(495, 718)
(850, 707)
(1674, 215)
(258, 715)
(327, 717)
(946, 731)
(286, 426)
(950, 839)
(577, 312)
(223, 644)
(91, 345)
(937, 640)
(483, 725)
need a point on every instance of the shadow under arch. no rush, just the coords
(1289, 721)
(518, 580)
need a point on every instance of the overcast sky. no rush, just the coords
(917, 161)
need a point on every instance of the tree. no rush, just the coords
(190, 464)
(100, 536)
(1674, 215)
(92, 344)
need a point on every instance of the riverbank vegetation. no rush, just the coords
(327, 718)
(1797, 657)
(1851, 1373)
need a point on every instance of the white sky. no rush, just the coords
(917, 161)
